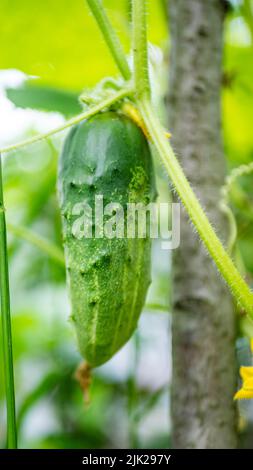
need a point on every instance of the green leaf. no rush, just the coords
(45, 99)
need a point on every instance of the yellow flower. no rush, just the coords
(246, 391)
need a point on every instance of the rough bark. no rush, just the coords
(203, 325)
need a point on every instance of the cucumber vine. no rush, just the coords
(136, 89)
(6, 326)
(242, 170)
(223, 261)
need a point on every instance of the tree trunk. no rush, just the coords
(203, 324)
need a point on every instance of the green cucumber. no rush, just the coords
(107, 279)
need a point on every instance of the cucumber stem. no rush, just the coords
(6, 327)
(140, 48)
(110, 37)
(42, 244)
(127, 91)
(224, 263)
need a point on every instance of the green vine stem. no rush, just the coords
(42, 244)
(224, 207)
(111, 37)
(155, 307)
(127, 91)
(6, 326)
(140, 48)
(224, 263)
(236, 173)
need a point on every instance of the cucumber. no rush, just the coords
(107, 279)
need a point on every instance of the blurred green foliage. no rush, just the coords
(59, 44)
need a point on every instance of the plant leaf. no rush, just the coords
(45, 99)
